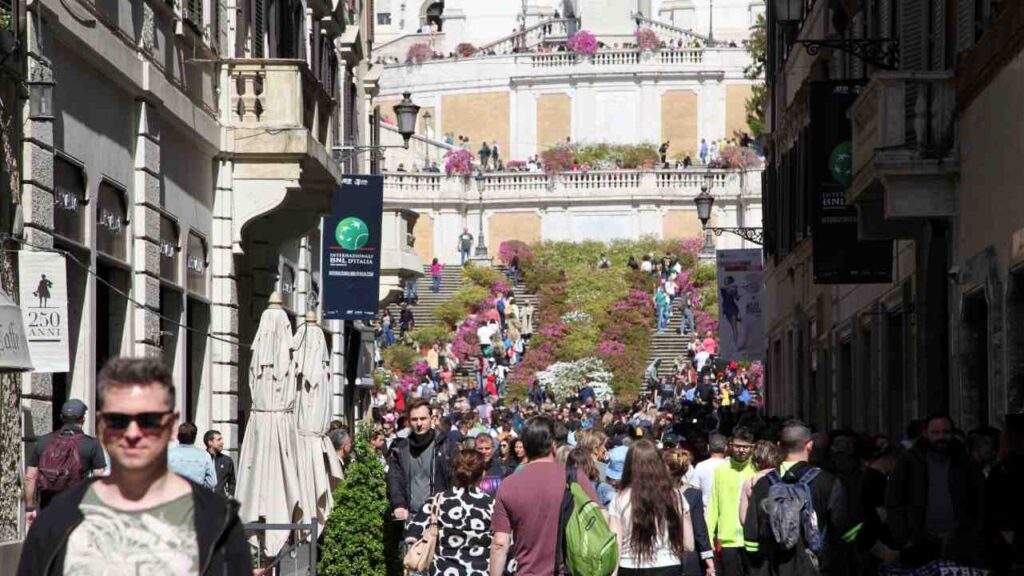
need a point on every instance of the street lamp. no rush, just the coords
(481, 247)
(405, 113)
(787, 11)
(428, 129)
(704, 202)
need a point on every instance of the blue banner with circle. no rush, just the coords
(350, 249)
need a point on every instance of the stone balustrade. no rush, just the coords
(527, 188)
(277, 94)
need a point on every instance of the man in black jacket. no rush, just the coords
(934, 499)
(830, 508)
(418, 466)
(143, 518)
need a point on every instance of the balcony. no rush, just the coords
(277, 132)
(904, 151)
(663, 187)
(277, 107)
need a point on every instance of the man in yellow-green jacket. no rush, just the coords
(723, 513)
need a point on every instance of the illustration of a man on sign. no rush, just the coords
(43, 290)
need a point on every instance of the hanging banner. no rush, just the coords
(740, 319)
(840, 257)
(44, 305)
(14, 355)
(350, 248)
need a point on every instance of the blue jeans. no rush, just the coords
(687, 320)
(437, 284)
(464, 255)
(410, 289)
(389, 336)
(662, 318)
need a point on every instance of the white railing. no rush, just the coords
(669, 56)
(668, 32)
(660, 186)
(530, 37)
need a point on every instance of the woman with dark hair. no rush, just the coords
(517, 454)
(463, 520)
(650, 516)
(701, 560)
(765, 457)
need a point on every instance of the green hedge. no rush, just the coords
(353, 542)
(400, 357)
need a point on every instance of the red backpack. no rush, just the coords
(60, 465)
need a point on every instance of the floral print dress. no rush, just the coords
(464, 532)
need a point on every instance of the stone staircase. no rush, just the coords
(423, 311)
(669, 345)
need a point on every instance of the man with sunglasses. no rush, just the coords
(723, 513)
(143, 518)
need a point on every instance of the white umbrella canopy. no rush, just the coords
(268, 486)
(319, 470)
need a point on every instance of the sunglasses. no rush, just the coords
(145, 420)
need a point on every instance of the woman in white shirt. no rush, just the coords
(649, 515)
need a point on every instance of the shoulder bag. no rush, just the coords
(420, 556)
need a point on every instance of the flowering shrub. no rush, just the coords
(692, 246)
(458, 161)
(557, 159)
(576, 316)
(466, 344)
(501, 287)
(418, 53)
(736, 157)
(383, 377)
(647, 39)
(705, 321)
(514, 165)
(465, 49)
(611, 348)
(583, 42)
(510, 248)
(421, 368)
(563, 379)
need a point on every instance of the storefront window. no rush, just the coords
(69, 200)
(169, 250)
(196, 264)
(112, 222)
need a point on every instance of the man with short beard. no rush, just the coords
(934, 499)
(723, 513)
(418, 466)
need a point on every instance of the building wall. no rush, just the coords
(480, 117)
(681, 224)
(679, 122)
(554, 120)
(524, 226)
(736, 96)
(424, 233)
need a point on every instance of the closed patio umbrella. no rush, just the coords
(268, 485)
(319, 470)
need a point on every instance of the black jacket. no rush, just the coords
(701, 540)
(223, 550)
(907, 495)
(400, 465)
(833, 515)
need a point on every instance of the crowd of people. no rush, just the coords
(688, 490)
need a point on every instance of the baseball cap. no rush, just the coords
(616, 462)
(73, 409)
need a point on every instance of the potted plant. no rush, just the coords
(647, 42)
(419, 53)
(584, 44)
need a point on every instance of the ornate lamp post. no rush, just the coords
(481, 246)
(705, 201)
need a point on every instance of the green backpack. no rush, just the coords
(591, 548)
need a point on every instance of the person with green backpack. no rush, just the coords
(528, 509)
(650, 516)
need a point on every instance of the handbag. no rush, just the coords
(420, 555)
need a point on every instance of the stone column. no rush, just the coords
(224, 313)
(37, 204)
(146, 229)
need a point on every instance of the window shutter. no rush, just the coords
(937, 35)
(257, 29)
(913, 34)
(964, 24)
(885, 15)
